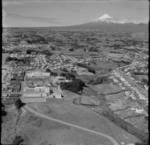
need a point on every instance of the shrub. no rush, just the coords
(76, 101)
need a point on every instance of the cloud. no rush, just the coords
(34, 18)
(145, 21)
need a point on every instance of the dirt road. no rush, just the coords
(72, 125)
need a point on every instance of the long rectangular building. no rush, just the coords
(36, 74)
(36, 94)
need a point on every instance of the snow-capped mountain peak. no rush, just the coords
(113, 20)
(105, 16)
(108, 19)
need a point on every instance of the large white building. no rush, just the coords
(40, 94)
(37, 74)
(37, 94)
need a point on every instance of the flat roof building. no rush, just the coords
(37, 74)
(36, 94)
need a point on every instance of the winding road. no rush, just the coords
(72, 125)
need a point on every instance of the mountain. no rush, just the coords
(108, 19)
(109, 24)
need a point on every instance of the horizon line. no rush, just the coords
(62, 25)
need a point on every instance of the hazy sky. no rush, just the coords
(23, 13)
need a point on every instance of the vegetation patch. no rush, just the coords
(75, 85)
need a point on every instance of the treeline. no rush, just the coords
(93, 49)
(64, 73)
(39, 51)
(51, 72)
(19, 60)
(75, 85)
(68, 75)
(125, 125)
(143, 143)
(90, 69)
(140, 73)
(100, 80)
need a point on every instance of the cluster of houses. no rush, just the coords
(136, 68)
(124, 84)
(128, 102)
(37, 85)
(118, 57)
(21, 55)
(56, 62)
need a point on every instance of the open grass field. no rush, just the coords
(81, 116)
(45, 132)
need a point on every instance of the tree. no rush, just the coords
(75, 85)
(145, 81)
(71, 49)
(48, 70)
(91, 70)
(18, 103)
(52, 73)
(68, 75)
(4, 113)
(28, 51)
(64, 69)
(8, 59)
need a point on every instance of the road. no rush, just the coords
(72, 125)
(129, 80)
(133, 83)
